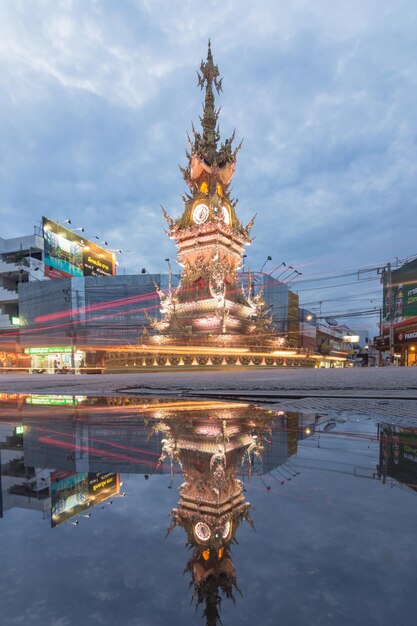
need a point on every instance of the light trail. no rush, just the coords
(95, 451)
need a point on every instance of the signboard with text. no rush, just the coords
(73, 493)
(400, 297)
(68, 254)
(398, 454)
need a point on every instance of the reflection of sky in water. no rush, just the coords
(329, 548)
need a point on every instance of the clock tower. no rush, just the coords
(209, 306)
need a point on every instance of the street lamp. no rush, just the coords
(105, 242)
(268, 258)
(277, 267)
(290, 267)
(289, 275)
(296, 272)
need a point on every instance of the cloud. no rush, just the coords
(96, 99)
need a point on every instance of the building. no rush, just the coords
(332, 345)
(308, 330)
(71, 322)
(281, 304)
(21, 261)
(399, 314)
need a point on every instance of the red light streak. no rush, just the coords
(109, 443)
(99, 306)
(95, 451)
(191, 293)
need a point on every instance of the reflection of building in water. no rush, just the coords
(210, 447)
(398, 454)
(66, 455)
(21, 485)
(62, 494)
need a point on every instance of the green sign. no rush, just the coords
(55, 400)
(50, 350)
(400, 297)
(15, 321)
(19, 430)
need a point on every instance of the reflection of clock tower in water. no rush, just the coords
(210, 444)
(210, 239)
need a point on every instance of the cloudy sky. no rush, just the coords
(96, 98)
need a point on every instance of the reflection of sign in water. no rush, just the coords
(398, 454)
(68, 493)
(73, 493)
(49, 350)
(54, 400)
(67, 254)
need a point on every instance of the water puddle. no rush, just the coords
(141, 511)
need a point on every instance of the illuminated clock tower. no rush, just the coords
(209, 306)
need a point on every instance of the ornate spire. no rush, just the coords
(209, 76)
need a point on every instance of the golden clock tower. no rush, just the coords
(209, 305)
(210, 318)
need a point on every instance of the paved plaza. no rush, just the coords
(393, 382)
(388, 394)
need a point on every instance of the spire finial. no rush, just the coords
(209, 72)
(209, 75)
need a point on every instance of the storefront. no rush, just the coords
(405, 343)
(56, 359)
(333, 361)
(13, 362)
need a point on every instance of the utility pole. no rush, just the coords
(70, 331)
(391, 313)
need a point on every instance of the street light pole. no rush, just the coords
(268, 258)
(277, 267)
(287, 269)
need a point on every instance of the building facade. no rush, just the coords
(21, 262)
(398, 334)
(71, 322)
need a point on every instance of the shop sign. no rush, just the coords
(407, 336)
(55, 400)
(50, 350)
(381, 342)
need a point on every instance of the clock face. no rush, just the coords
(200, 213)
(226, 215)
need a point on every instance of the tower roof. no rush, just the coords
(208, 77)
(205, 144)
